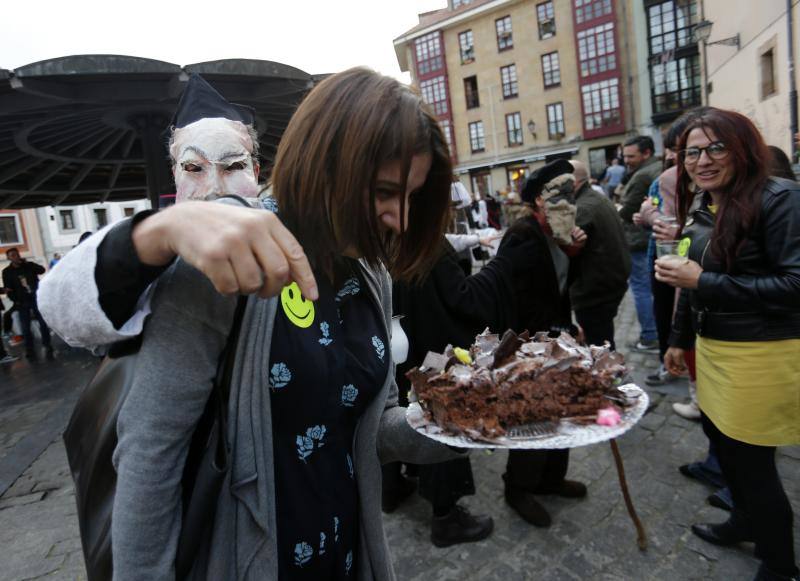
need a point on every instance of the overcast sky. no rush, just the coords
(316, 36)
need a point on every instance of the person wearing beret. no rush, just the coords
(541, 303)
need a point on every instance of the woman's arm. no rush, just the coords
(461, 242)
(397, 441)
(175, 370)
(682, 334)
(781, 241)
(73, 299)
(648, 211)
(93, 296)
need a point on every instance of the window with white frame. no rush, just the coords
(508, 78)
(434, 92)
(10, 230)
(514, 129)
(429, 53)
(596, 51)
(555, 120)
(66, 220)
(601, 106)
(676, 83)
(477, 140)
(467, 47)
(551, 70)
(546, 18)
(446, 129)
(505, 39)
(586, 10)
(100, 217)
(670, 25)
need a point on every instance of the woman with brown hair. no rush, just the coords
(362, 186)
(739, 268)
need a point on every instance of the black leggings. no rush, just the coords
(536, 471)
(443, 483)
(758, 493)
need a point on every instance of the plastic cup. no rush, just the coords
(670, 222)
(672, 260)
(666, 248)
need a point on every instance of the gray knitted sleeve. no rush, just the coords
(175, 370)
(397, 441)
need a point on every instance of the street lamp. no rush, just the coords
(532, 127)
(702, 31)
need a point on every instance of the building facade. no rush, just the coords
(20, 229)
(62, 226)
(752, 76)
(40, 233)
(517, 83)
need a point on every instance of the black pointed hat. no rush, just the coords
(537, 180)
(202, 101)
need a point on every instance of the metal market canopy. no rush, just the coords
(91, 128)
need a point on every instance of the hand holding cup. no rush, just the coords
(665, 228)
(677, 271)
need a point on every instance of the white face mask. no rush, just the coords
(212, 159)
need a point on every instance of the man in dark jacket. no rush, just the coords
(21, 278)
(643, 168)
(599, 273)
(541, 302)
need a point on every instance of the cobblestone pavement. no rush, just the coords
(590, 538)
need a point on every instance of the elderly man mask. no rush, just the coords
(554, 183)
(559, 207)
(213, 145)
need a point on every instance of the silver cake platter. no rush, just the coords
(540, 436)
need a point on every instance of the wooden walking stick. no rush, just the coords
(641, 535)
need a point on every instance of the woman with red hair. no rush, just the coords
(739, 268)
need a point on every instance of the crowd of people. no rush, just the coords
(362, 197)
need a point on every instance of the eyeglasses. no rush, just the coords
(716, 150)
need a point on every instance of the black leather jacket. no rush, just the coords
(759, 298)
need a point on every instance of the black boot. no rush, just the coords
(527, 506)
(565, 488)
(765, 574)
(732, 531)
(459, 526)
(396, 487)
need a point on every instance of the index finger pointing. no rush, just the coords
(299, 267)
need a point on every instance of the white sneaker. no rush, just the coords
(689, 411)
(8, 359)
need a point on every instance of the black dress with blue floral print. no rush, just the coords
(322, 377)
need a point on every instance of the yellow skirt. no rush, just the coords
(751, 390)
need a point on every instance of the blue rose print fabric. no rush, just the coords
(321, 378)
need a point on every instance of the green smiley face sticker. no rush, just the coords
(299, 310)
(683, 247)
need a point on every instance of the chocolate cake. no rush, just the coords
(513, 381)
